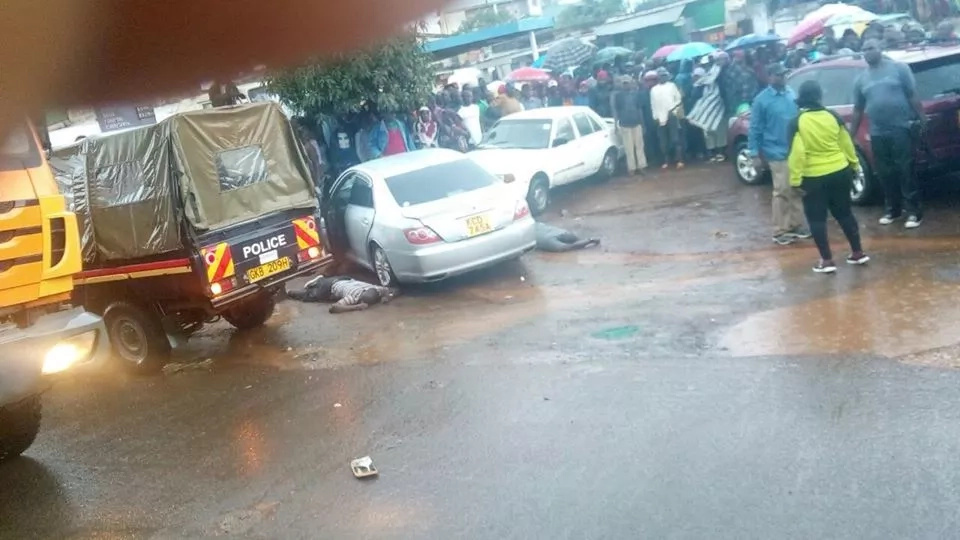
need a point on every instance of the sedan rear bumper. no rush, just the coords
(441, 261)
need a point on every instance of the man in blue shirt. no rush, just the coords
(886, 92)
(773, 110)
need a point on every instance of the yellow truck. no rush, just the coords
(41, 333)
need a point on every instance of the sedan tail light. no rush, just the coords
(522, 211)
(421, 235)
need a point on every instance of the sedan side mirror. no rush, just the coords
(560, 141)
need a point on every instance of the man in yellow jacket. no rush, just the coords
(822, 163)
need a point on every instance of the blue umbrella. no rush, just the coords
(752, 40)
(689, 51)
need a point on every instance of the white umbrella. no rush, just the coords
(465, 77)
(851, 17)
(826, 11)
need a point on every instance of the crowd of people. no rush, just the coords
(669, 113)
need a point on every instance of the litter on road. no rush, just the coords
(363, 467)
(178, 367)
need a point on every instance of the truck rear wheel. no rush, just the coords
(19, 425)
(137, 337)
(251, 313)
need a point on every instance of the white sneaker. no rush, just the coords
(912, 222)
(825, 267)
(888, 219)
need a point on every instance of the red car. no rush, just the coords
(937, 71)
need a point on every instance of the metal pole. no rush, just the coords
(534, 49)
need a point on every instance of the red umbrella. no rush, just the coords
(528, 74)
(807, 28)
(664, 51)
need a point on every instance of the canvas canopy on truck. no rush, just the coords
(121, 190)
(237, 163)
(140, 193)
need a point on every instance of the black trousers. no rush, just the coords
(651, 143)
(893, 156)
(671, 139)
(831, 193)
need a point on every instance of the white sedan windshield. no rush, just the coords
(527, 134)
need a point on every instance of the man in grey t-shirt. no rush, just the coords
(886, 91)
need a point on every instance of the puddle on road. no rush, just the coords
(902, 315)
(617, 332)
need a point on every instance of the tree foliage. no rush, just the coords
(484, 17)
(395, 76)
(589, 13)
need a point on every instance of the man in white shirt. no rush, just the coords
(470, 113)
(666, 103)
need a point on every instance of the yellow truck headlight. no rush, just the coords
(68, 352)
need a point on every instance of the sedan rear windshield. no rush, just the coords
(438, 182)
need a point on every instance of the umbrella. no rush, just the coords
(813, 24)
(664, 51)
(527, 74)
(465, 77)
(826, 11)
(570, 52)
(806, 29)
(851, 18)
(752, 40)
(689, 51)
(609, 54)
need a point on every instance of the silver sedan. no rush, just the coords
(425, 216)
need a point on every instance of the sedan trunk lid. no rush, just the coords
(465, 215)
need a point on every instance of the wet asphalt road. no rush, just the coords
(688, 379)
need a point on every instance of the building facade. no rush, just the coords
(447, 20)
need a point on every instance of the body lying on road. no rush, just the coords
(555, 239)
(346, 293)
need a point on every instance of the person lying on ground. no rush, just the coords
(557, 240)
(346, 293)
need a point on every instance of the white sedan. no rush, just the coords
(543, 148)
(425, 216)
